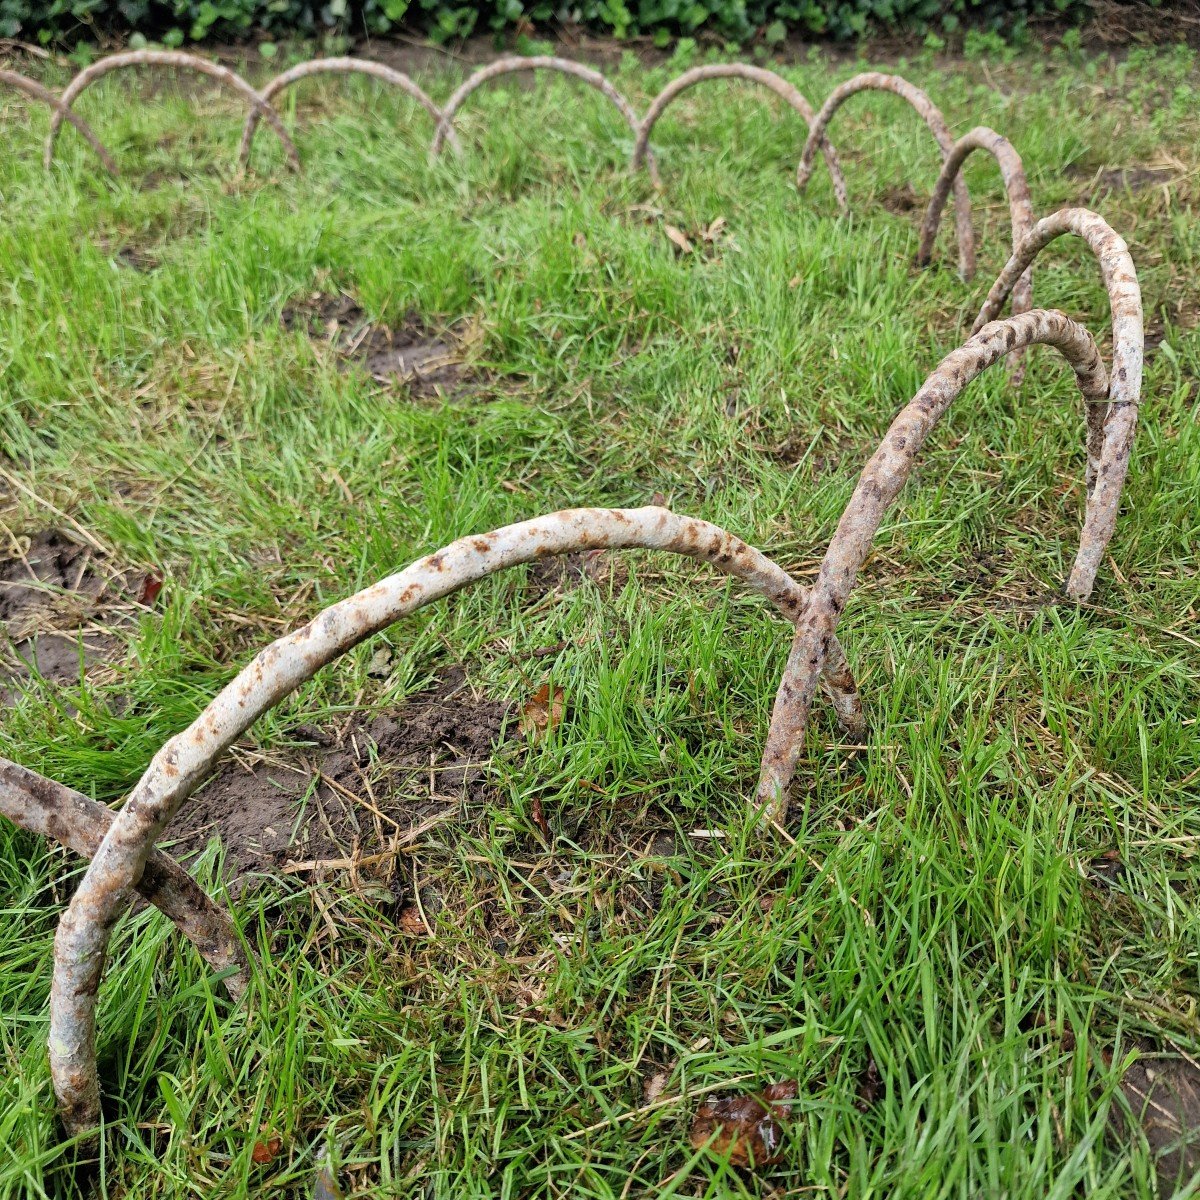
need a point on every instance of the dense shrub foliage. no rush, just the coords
(175, 21)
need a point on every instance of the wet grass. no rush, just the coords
(990, 900)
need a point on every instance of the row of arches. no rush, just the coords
(121, 846)
(260, 108)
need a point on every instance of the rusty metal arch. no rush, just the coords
(336, 66)
(930, 114)
(61, 814)
(759, 75)
(165, 58)
(1020, 210)
(187, 758)
(36, 91)
(513, 64)
(1112, 420)
(878, 486)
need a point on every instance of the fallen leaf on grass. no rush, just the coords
(325, 1185)
(870, 1085)
(380, 666)
(542, 713)
(653, 1087)
(679, 239)
(539, 817)
(745, 1129)
(151, 586)
(714, 231)
(264, 1152)
(411, 922)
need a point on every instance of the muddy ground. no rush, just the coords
(411, 353)
(59, 605)
(347, 794)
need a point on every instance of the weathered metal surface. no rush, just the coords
(932, 116)
(1016, 186)
(187, 758)
(1020, 209)
(335, 66)
(164, 58)
(513, 64)
(764, 78)
(42, 806)
(37, 92)
(1111, 425)
(885, 474)
(122, 845)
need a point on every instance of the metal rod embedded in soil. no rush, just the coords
(932, 116)
(768, 79)
(335, 66)
(512, 64)
(46, 96)
(187, 758)
(1020, 207)
(51, 810)
(164, 58)
(880, 483)
(1111, 424)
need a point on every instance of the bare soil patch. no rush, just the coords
(1163, 1094)
(411, 353)
(57, 603)
(902, 200)
(565, 572)
(350, 795)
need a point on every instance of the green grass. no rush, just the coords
(938, 907)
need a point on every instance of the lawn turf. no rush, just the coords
(988, 901)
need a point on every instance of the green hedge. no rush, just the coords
(175, 21)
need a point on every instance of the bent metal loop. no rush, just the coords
(121, 845)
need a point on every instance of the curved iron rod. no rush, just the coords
(188, 757)
(35, 90)
(1020, 209)
(334, 66)
(51, 810)
(511, 64)
(1111, 425)
(164, 58)
(879, 485)
(932, 116)
(768, 79)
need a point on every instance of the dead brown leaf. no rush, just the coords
(265, 1152)
(653, 1087)
(150, 588)
(870, 1085)
(745, 1129)
(679, 239)
(542, 712)
(411, 922)
(539, 817)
